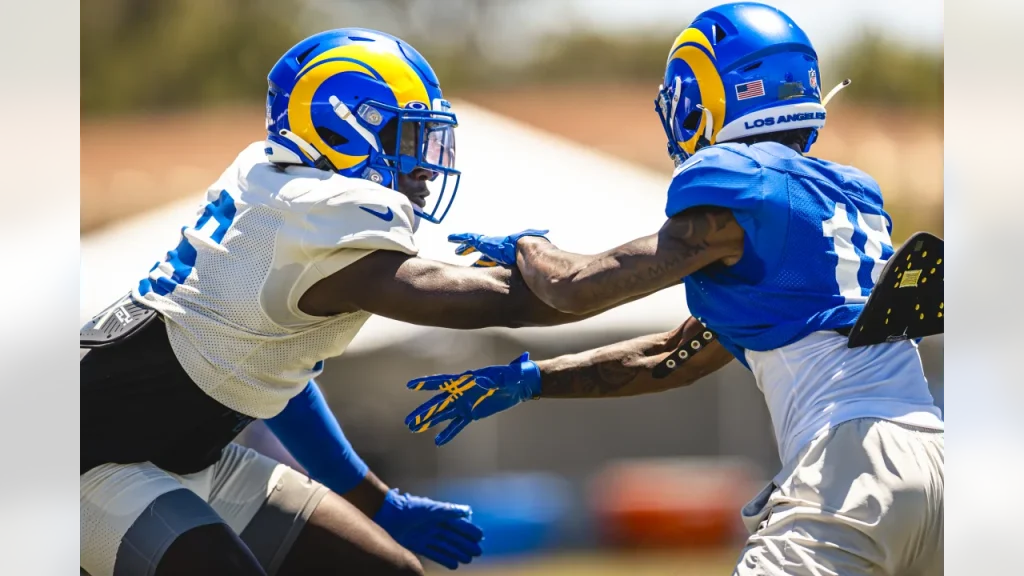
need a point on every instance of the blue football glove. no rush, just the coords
(473, 395)
(439, 531)
(494, 250)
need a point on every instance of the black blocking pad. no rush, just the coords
(907, 301)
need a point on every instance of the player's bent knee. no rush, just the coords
(213, 549)
(178, 533)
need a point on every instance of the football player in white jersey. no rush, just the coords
(299, 241)
(779, 252)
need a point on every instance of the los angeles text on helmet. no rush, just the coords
(772, 121)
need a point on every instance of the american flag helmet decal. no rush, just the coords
(751, 89)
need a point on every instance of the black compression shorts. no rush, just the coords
(138, 405)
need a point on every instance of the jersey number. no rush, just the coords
(862, 248)
(213, 223)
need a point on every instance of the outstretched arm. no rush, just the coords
(640, 366)
(579, 284)
(431, 293)
(630, 368)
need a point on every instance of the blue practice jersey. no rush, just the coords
(817, 239)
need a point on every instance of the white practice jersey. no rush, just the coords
(230, 290)
(818, 382)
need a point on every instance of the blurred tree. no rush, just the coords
(883, 71)
(146, 55)
(587, 56)
(152, 55)
(887, 72)
(448, 26)
(464, 40)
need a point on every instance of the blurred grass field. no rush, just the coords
(643, 563)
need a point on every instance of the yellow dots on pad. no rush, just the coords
(940, 314)
(939, 261)
(942, 305)
(922, 316)
(924, 254)
(917, 306)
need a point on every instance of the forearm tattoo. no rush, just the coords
(600, 379)
(641, 266)
(632, 367)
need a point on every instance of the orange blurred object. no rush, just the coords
(672, 504)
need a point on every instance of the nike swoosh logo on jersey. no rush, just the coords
(385, 216)
(685, 166)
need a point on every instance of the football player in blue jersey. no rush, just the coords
(778, 252)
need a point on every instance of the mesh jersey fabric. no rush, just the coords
(230, 289)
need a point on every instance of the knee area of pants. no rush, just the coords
(209, 549)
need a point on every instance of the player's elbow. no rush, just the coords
(535, 317)
(533, 312)
(566, 298)
(576, 306)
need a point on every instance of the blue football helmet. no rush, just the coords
(739, 70)
(367, 105)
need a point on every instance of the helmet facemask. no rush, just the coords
(421, 160)
(665, 105)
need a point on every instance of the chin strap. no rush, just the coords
(828, 97)
(343, 112)
(320, 161)
(835, 91)
(709, 127)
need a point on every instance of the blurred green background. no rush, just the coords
(143, 56)
(550, 63)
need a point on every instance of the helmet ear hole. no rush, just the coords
(332, 138)
(692, 120)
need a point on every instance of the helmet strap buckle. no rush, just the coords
(343, 112)
(370, 115)
(372, 175)
(324, 163)
(709, 127)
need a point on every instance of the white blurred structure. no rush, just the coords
(514, 177)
